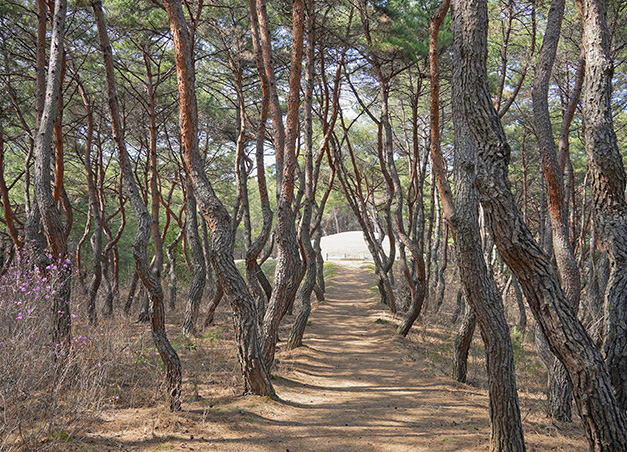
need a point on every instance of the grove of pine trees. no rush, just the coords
(148, 147)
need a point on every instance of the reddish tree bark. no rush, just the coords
(256, 379)
(608, 186)
(140, 245)
(288, 272)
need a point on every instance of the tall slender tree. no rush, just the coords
(150, 281)
(256, 378)
(462, 214)
(559, 388)
(288, 272)
(50, 215)
(608, 186)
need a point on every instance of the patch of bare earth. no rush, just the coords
(355, 386)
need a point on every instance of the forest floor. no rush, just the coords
(355, 386)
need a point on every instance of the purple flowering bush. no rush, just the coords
(43, 397)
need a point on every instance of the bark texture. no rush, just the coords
(254, 275)
(483, 296)
(558, 387)
(462, 344)
(50, 215)
(608, 187)
(288, 272)
(142, 237)
(295, 338)
(198, 262)
(603, 420)
(256, 379)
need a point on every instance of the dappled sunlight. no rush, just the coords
(354, 386)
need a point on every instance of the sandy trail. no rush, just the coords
(354, 387)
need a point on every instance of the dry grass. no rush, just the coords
(110, 394)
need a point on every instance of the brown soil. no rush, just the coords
(355, 386)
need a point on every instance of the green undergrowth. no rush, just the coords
(329, 271)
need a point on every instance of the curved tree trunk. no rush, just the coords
(256, 379)
(50, 215)
(558, 388)
(213, 305)
(463, 340)
(256, 278)
(608, 186)
(288, 272)
(604, 421)
(142, 237)
(463, 217)
(295, 338)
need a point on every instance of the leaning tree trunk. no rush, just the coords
(198, 261)
(142, 237)
(608, 186)
(213, 305)
(605, 423)
(288, 273)
(463, 217)
(559, 390)
(254, 274)
(295, 338)
(256, 378)
(50, 215)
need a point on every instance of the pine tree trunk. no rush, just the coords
(463, 340)
(256, 377)
(288, 272)
(462, 215)
(142, 237)
(559, 391)
(295, 338)
(198, 261)
(603, 420)
(608, 186)
(50, 215)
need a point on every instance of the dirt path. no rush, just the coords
(355, 387)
